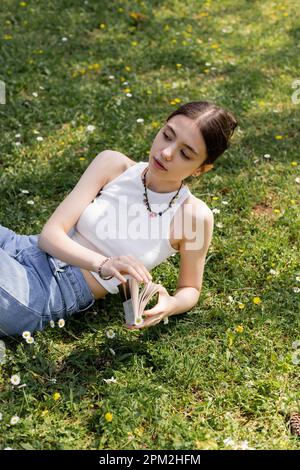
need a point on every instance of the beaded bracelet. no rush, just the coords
(100, 268)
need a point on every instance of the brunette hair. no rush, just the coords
(215, 124)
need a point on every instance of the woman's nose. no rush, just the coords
(167, 153)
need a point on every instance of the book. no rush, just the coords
(135, 299)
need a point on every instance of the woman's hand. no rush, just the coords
(126, 264)
(163, 309)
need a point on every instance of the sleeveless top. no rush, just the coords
(117, 222)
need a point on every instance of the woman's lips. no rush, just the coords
(159, 164)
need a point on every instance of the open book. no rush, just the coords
(135, 300)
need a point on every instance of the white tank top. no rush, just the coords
(117, 222)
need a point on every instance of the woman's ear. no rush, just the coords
(204, 168)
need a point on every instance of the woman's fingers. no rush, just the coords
(119, 265)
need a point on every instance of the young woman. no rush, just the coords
(96, 238)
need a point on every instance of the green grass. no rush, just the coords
(196, 381)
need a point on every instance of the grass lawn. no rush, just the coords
(227, 371)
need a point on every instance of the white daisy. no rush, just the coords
(30, 202)
(30, 340)
(35, 94)
(272, 271)
(129, 95)
(64, 39)
(61, 323)
(296, 344)
(225, 203)
(111, 77)
(296, 290)
(90, 128)
(17, 136)
(230, 298)
(110, 334)
(140, 120)
(267, 155)
(297, 180)
(52, 324)
(17, 144)
(111, 380)
(296, 357)
(14, 420)
(26, 334)
(39, 138)
(216, 211)
(24, 191)
(15, 379)
(229, 442)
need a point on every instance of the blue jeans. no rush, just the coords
(36, 287)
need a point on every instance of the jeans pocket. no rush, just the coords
(27, 254)
(15, 317)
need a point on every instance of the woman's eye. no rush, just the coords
(185, 155)
(166, 136)
(169, 138)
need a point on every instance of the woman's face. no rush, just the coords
(179, 147)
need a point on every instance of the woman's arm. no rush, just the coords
(192, 261)
(54, 239)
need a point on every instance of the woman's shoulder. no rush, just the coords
(193, 206)
(125, 163)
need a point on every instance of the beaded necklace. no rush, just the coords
(146, 201)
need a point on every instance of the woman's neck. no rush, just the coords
(157, 186)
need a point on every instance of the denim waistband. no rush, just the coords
(71, 276)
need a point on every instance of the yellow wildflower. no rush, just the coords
(127, 68)
(178, 66)
(7, 37)
(102, 26)
(294, 163)
(134, 43)
(241, 305)
(278, 137)
(154, 124)
(239, 329)
(82, 158)
(276, 211)
(108, 416)
(23, 4)
(56, 396)
(257, 300)
(215, 198)
(166, 27)
(126, 90)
